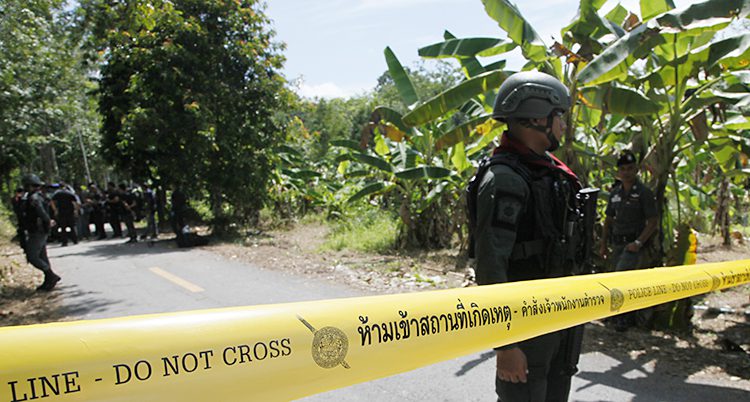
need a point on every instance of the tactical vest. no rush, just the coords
(555, 240)
(32, 222)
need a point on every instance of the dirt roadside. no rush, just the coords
(715, 351)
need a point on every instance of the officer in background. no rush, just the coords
(66, 206)
(114, 209)
(127, 201)
(36, 224)
(149, 201)
(98, 210)
(524, 203)
(631, 220)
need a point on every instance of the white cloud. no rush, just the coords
(329, 90)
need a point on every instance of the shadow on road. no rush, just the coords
(79, 303)
(116, 247)
(473, 363)
(44, 307)
(657, 367)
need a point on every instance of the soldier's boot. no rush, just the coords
(50, 280)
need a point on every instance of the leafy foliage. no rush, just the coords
(189, 92)
(46, 112)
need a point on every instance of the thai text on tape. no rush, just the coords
(286, 351)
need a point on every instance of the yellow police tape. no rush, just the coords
(287, 351)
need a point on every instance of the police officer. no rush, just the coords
(127, 202)
(66, 205)
(631, 216)
(631, 220)
(98, 210)
(523, 204)
(114, 209)
(36, 223)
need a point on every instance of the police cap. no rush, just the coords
(626, 158)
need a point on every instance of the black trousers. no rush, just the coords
(114, 221)
(550, 371)
(129, 220)
(97, 216)
(66, 228)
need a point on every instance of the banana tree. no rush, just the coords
(673, 58)
(419, 159)
(588, 33)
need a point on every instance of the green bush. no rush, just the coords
(368, 230)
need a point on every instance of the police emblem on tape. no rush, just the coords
(715, 283)
(617, 299)
(329, 346)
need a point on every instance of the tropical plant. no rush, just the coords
(687, 76)
(189, 93)
(46, 113)
(415, 158)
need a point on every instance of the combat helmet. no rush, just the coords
(530, 95)
(31, 180)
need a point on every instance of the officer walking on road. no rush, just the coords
(36, 223)
(630, 223)
(525, 227)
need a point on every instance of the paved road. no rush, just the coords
(111, 279)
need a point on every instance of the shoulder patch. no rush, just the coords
(508, 210)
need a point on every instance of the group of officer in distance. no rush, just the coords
(528, 221)
(57, 211)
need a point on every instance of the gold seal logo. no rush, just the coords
(329, 346)
(715, 283)
(617, 299)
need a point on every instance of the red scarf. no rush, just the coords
(508, 143)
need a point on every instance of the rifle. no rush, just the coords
(587, 197)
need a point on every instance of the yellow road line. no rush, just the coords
(176, 279)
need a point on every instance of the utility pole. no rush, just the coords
(85, 158)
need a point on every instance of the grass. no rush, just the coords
(7, 229)
(372, 231)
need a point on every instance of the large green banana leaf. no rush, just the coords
(302, 174)
(390, 115)
(401, 79)
(737, 123)
(701, 15)
(518, 29)
(460, 133)
(471, 66)
(652, 8)
(725, 151)
(617, 15)
(614, 61)
(588, 23)
(460, 48)
(424, 172)
(350, 144)
(373, 161)
(618, 100)
(368, 189)
(454, 98)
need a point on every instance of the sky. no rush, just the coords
(334, 48)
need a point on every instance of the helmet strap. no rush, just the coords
(547, 131)
(554, 143)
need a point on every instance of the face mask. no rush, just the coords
(554, 143)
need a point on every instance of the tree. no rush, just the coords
(43, 91)
(189, 92)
